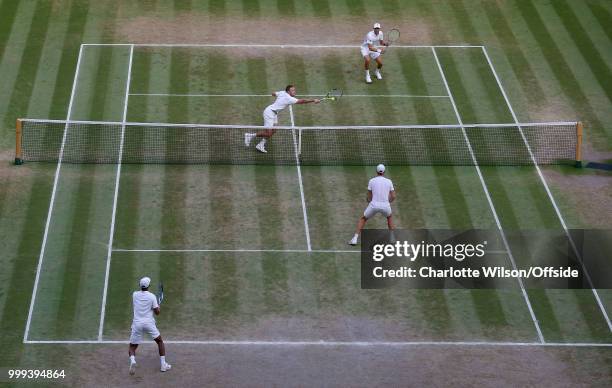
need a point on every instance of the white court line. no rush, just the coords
(489, 200)
(548, 192)
(268, 95)
(52, 201)
(112, 227)
(299, 171)
(335, 343)
(353, 46)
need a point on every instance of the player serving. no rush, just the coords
(270, 116)
(380, 195)
(145, 304)
(370, 50)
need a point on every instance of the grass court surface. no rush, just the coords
(257, 254)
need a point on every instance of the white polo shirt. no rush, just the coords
(380, 188)
(372, 39)
(144, 302)
(283, 99)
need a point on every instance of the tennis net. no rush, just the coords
(484, 144)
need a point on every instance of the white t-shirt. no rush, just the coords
(144, 303)
(380, 188)
(372, 38)
(283, 99)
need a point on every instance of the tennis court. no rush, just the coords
(258, 252)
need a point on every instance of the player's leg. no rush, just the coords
(270, 119)
(360, 225)
(369, 212)
(264, 135)
(151, 329)
(161, 347)
(365, 53)
(135, 339)
(132, 353)
(379, 66)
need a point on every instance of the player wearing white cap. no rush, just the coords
(270, 116)
(380, 195)
(370, 50)
(145, 304)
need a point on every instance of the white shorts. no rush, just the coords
(371, 210)
(270, 118)
(366, 51)
(138, 328)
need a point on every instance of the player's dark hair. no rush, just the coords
(288, 87)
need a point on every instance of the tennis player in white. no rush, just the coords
(370, 50)
(380, 195)
(145, 304)
(284, 98)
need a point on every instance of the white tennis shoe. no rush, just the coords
(353, 241)
(132, 367)
(368, 79)
(248, 138)
(378, 75)
(261, 148)
(166, 367)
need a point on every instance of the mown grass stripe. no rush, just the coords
(566, 79)
(356, 8)
(217, 7)
(603, 16)
(29, 63)
(269, 213)
(285, 7)
(8, 10)
(175, 179)
(525, 74)
(72, 40)
(35, 198)
(585, 45)
(251, 8)
(321, 8)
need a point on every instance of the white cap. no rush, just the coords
(380, 168)
(376, 25)
(144, 282)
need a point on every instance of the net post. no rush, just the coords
(579, 130)
(18, 159)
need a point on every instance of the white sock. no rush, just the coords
(163, 360)
(132, 358)
(367, 72)
(356, 236)
(263, 142)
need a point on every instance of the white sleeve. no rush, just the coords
(370, 185)
(154, 300)
(382, 36)
(391, 184)
(293, 99)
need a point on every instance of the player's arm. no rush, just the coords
(371, 47)
(273, 94)
(307, 101)
(391, 196)
(155, 305)
(369, 196)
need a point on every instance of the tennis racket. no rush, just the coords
(160, 293)
(332, 95)
(393, 36)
